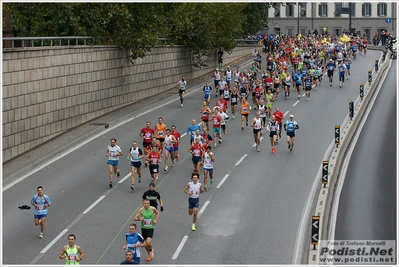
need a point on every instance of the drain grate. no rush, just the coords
(106, 125)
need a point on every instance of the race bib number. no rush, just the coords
(160, 133)
(72, 257)
(147, 222)
(40, 208)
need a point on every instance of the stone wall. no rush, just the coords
(48, 90)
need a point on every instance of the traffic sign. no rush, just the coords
(337, 134)
(325, 173)
(271, 36)
(315, 230)
(361, 91)
(388, 20)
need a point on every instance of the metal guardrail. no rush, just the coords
(51, 41)
(75, 40)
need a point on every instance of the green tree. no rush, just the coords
(204, 27)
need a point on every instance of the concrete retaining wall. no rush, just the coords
(49, 90)
(347, 130)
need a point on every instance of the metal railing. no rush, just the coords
(51, 41)
(14, 42)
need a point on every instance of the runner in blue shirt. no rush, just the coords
(308, 86)
(354, 50)
(133, 243)
(41, 202)
(290, 126)
(207, 90)
(348, 63)
(191, 130)
(330, 70)
(342, 70)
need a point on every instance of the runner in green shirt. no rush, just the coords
(72, 253)
(148, 215)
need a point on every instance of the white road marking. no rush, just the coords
(54, 240)
(177, 252)
(241, 159)
(92, 205)
(295, 103)
(222, 181)
(124, 178)
(203, 208)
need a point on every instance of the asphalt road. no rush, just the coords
(367, 205)
(250, 218)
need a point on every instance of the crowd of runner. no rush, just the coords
(292, 64)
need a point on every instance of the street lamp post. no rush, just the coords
(298, 19)
(350, 18)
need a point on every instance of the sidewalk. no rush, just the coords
(32, 160)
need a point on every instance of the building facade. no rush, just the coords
(334, 17)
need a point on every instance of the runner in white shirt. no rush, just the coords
(182, 88)
(113, 153)
(170, 140)
(229, 75)
(208, 164)
(237, 75)
(216, 75)
(223, 123)
(222, 86)
(193, 189)
(257, 124)
(134, 157)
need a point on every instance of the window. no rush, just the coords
(366, 34)
(353, 9)
(303, 9)
(277, 11)
(289, 10)
(366, 10)
(337, 12)
(337, 31)
(382, 10)
(289, 31)
(303, 32)
(323, 10)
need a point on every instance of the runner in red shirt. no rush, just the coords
(175, 154)
(258, 93)
(268, 81)
(154, 158)
(146, 133)
(365, 42)
(196, 151)
(205, 111)
(154, 142)
(207, 137)
(279, 119)
(216, 122)
(222, 104)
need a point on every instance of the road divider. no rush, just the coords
(325, 196)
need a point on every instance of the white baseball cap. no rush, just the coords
(291, 116)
